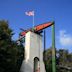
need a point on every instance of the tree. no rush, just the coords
(10, 52)
(63, 60)
(48, 60)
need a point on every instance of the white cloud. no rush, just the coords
(65, 38)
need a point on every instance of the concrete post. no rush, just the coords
(33, 49)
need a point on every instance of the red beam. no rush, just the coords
(38, 27)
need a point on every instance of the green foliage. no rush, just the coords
(63, 60)
(11, 54)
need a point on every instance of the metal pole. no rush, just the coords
(44, 52)
(53, 49)
(44, 57)
(33, 19)
(44, 41)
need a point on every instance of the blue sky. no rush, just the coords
(45, 10)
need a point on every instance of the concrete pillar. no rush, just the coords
(33, 48)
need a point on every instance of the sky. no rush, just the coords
(59, 11)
